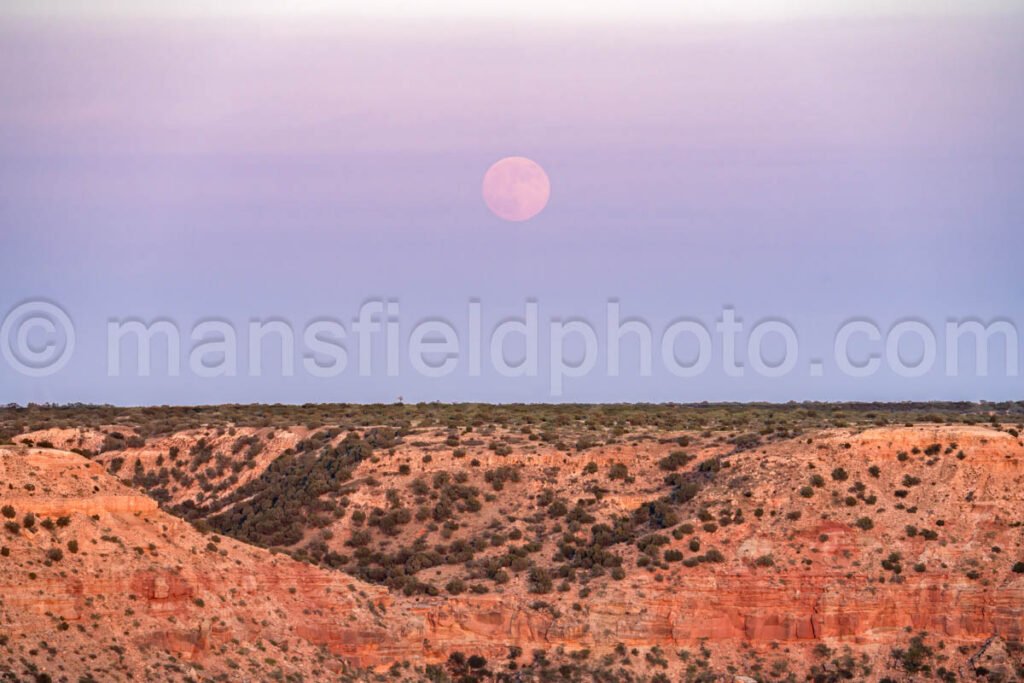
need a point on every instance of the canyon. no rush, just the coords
(874, 553)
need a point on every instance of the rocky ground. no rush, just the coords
(551, 549)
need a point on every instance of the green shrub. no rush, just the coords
(914, 658)
(714, 555)
(540, 580)
(865, 523)
(674, 460)
(618, 471)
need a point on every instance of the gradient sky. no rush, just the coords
(814, 162)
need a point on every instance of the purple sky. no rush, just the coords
(809, 169)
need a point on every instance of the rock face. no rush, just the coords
(151, 596)
(739, 608)
(56, 506)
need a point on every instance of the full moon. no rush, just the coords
(516, 188)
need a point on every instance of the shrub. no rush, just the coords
(1018, 568)
(914, 659)
(710, 466)
(657, 514)
(359, 538)
(540, 580)
(618, 471)
(8, 511)
(839, 474)
(497, 477)
(865, 523)
(806, 491)
(713, 555)
(55, 554)
(674, 460)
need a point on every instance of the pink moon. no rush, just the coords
(516, 188)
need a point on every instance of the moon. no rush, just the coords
(516, 189)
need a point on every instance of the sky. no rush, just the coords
(810, 163)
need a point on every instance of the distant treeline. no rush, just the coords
(158, 420)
